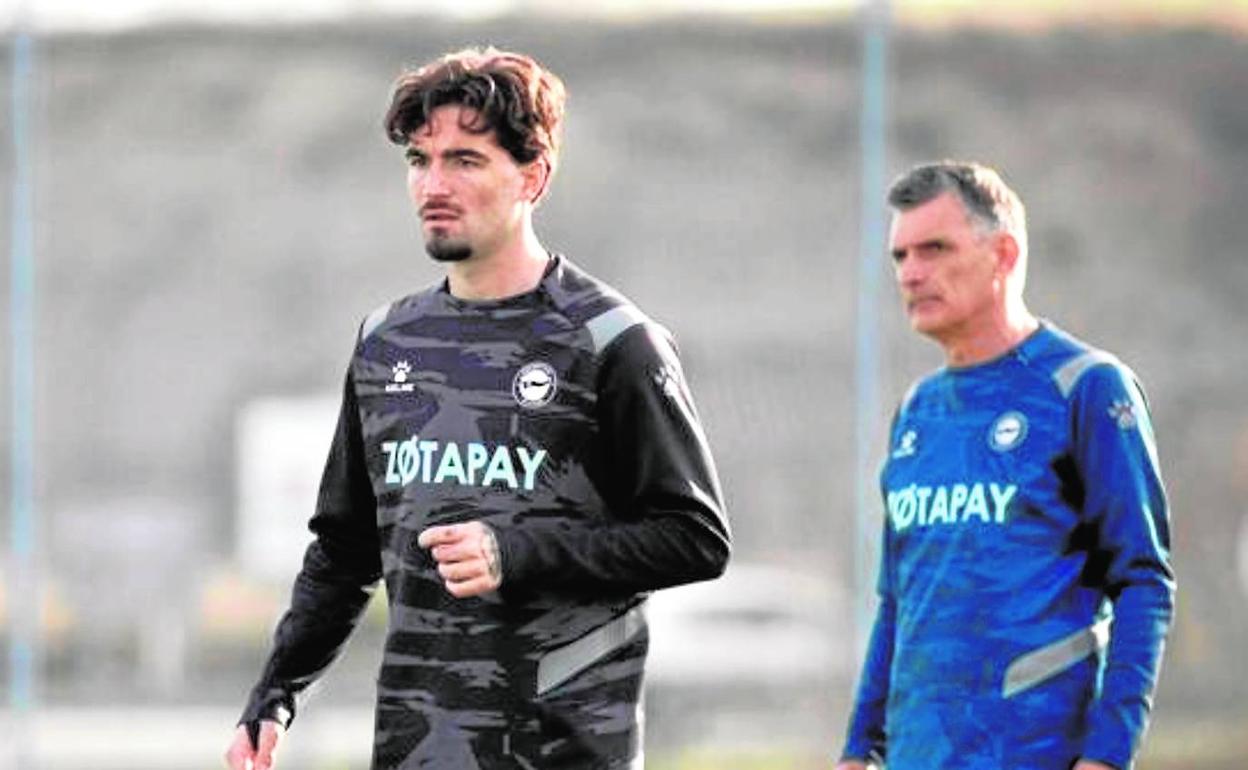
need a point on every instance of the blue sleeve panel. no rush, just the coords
(1024, 515)
(1125, 501)
(865, 739)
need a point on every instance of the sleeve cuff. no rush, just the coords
(272, 704)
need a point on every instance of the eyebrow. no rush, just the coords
(455, 152)
(464, 152)
(924, 244)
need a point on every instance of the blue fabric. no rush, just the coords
(1023, 502)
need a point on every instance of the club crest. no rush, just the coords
(535, 385)
(1007, 431)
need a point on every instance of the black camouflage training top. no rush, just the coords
(559, 417)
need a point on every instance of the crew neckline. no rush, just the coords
(523, 298)
(1023, 350)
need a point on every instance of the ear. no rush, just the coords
(536, 179)
(1005, 248)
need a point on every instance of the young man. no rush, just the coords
(517, 456)
(1025, 585)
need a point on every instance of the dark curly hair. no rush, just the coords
(511, 94)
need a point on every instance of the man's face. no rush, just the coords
(947, 269)
(471, 195)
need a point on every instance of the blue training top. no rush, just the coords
(1026, 518)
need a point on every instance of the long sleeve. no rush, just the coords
(865, 737)
(1127, 503)
(668, 524)
(340, 570)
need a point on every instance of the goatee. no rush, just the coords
(444, 250)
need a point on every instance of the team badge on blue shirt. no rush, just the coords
(1007, 431)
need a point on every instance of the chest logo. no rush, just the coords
(535, 385)
(399, 374)
(907, 445)
(1007, 431)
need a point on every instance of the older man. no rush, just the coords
(1025, 585)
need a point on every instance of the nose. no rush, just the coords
(909, 271)
(428, 182)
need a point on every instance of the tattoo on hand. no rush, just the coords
(492, 561)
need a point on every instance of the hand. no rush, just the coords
(1088, 764)
(467, 557)
(851, 764)
(243, 756)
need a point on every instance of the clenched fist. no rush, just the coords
(467, 557)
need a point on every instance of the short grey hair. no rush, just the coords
(988, 200)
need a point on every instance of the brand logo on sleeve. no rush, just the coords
(667, 379)
(535, 385)
(1123, 413)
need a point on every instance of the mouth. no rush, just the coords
(438, 215)
(917, 304)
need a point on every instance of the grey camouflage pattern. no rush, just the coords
(457, 687)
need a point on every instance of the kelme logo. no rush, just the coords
(907, 445)
(399, 375)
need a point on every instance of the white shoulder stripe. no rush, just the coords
(1068, 374)
(611, 324)
(373, 320)
(910, 394)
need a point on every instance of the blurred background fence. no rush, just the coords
(216, 208)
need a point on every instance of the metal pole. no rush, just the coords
(873, 144)
(23, 593)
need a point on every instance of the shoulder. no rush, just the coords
(397, 311)
(607, 316)
(922, 388)
(1077, 368)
